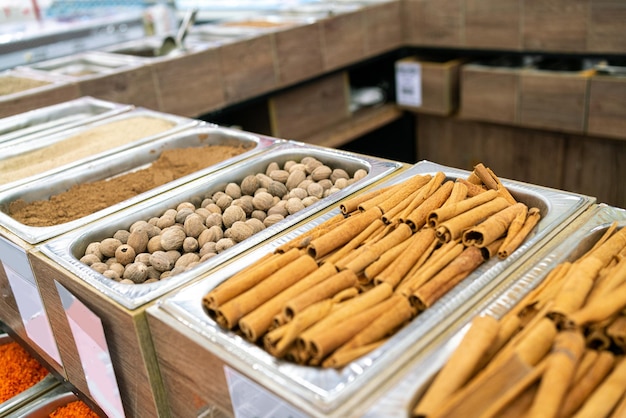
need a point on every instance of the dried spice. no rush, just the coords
(75, 409)
(18, 370)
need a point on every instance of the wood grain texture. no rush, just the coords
(127, 335)
(190, 85)
(489, 94)
(595, 167)
(343, 40)
(607, 107)
(298, 53)
(605, 31)
(247, 68)
(193, 377)
(434, 22)
(555, 25)
(382, 31)
(511, 152)
(553, 100)
(493, 24)
(305, 109)
(133, 86)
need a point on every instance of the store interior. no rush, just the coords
(191, 192)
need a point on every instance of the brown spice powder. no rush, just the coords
(87, 198)
(10, 84)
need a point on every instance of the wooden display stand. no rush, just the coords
(607, 106)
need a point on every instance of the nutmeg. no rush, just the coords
(338, 173)
(186, 259)
(255, 224)
(239, 231)
(223, 244)
(359, 174)
(160, 261)
(232, 215)
(94, 248)
(138, 239)
(125, 254)
(100, 267)
(121, 235)
(136, 272)
(295, 178)
(271, 167)
(249, 184)
(276, 188)
(190, 245)
(108, 246)
(320, 173)
(262, 201)
(279, 175)
(272, 219)
(233, 190)
(294, 205)
(194, 225)
(172, 238)
(182, 214)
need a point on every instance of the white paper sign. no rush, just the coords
(94, 354)
(250, 400)
(26, 295)
(409, 83)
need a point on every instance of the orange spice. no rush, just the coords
(75, 409)
(18, 370)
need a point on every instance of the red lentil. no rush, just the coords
(18, 370)
(75, 409)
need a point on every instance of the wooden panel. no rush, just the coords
(128, 339)
(434, 22)
(311, 107)
(555, 25)
(298, 53)
(595, 167)
(342, 40)
(247, 68)
(134, 86)
(527, 155)
(605, 32)
(193, 377)
(190, 85)
(493, 24)
(607, 106)
(553, 100)
(382, 31)
(488, 94)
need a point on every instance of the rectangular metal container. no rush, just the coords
(117, 164)
(44, 405)
(69, 248)
(54, 118)
(330, 392)
(24, 146)
(11, 405)
(571, 243)
(83, 65)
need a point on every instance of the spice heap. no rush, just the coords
(18, 370)
(11, 84)
(87, 198)
(75, 409)
(558, 353)
(340, 290)
(194, 231)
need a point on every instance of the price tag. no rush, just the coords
(408, 83)
(94, 354)
(250, 400)
(26, 295)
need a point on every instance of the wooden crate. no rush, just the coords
(607, 106)
(605, 28)
(433, 22)
(306, 109)
(127, 337)
(298, 53)
(439, 83)
(489, 93)
(553, 99)
(248, 68)
(493, 24)
(382, 31)
(56, 90)
(189, 85)
(343, 39)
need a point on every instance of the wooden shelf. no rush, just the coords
(362, 122)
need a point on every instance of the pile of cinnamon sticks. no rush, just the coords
(344, 287)
(558, 353)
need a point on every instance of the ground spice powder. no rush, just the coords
(18, 370)
(87, 198)
(75, 409)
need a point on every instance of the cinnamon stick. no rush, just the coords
(511, 244)
(417, 217)
(450, 211)
(454, 227)
(493, 227)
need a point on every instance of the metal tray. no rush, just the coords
(44, 405)
(46, 384)
(67, 249)
(120, 163)
(52, 83)
(571, 243)
(51, 119)
(324, 391)
(23, 146)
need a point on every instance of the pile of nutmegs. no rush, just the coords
(193, 232)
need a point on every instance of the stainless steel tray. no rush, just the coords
(51, 119)
(46, 384)
(67, 249)
(119, 163)
(44, 405)
(571, 243)
(328, 391)
(21, 147)
(52, 83)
